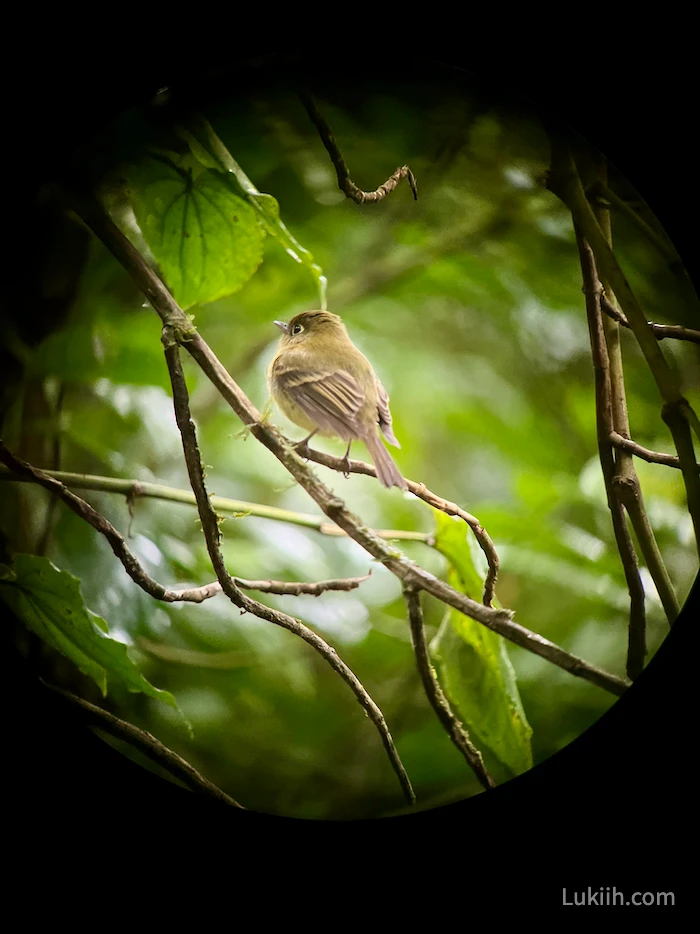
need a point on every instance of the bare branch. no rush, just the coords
(626, 481)
(498, 620)
(296, 588)
(131, 564)
(345, 183)
(133, 489)
(676, 331)
(181, 656)
(290, 588)
(422, 492)
(636, 645)
(651, 457)
(104, 527)
(611, 309)
(565, 182)
(438, 701)
(210, 527)
(147, 744)
(660, 331)
(193, 594)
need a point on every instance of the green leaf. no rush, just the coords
(207, 240)
(473, 664)
(267, 207)
(49, 603)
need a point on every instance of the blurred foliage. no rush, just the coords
(49, 603)
(468, 302)
(473, 662)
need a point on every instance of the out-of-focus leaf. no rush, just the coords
(593, 585)
(473, 664)
(49, 602)
(207, 240)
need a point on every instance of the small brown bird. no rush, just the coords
(324, 384)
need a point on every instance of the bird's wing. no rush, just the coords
(330, 399)
(385, 415)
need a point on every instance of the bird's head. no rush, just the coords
(309, 326)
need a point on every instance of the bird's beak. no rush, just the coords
(282, 325)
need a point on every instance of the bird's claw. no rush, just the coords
(302, 449)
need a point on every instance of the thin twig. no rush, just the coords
(297, 588)
(181, 656)
(24, 471)
(660, 331)
(611, 310)
(290, 588)
(147, 744)
(499, 620)
(133, 489)
(676, 331)
(345, 183)
(210, 528)
(438, 701)
(604, 424)
(651, 457)
(104, 527)
(193, 594)
(422, 492)
(565, 182)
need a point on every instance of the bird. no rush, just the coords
(322, 383)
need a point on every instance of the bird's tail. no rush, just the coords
(387, 471)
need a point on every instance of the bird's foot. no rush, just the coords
(346, 466)
(302, 449)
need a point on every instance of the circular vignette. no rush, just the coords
(439, 487)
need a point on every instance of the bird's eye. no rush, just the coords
(297, 329)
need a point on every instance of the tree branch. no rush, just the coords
(626, 481)
(26, 472)
(636, 644)
(133, 489)
(147, 744)
(194, 658)
(104, 527)
(345, 183)
(565, 182)
(454, 728)
(660, 331)
(422, 492)
(210, 527)
(498, 620)
(651, 457)
(297, 588)
(677, 331)
(290, 588)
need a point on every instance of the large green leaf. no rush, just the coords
(473, 664)
(49, 603)
(266, 206)
(207, 241)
